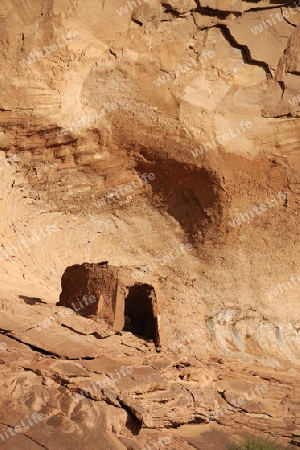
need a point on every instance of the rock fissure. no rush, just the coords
(246, 52)
(36, 442)
(32, 347)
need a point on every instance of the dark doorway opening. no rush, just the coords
(139, 314)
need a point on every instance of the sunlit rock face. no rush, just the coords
(162, 137)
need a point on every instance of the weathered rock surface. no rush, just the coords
(154, 126)
(130, 386)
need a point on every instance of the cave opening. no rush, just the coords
(139, 314)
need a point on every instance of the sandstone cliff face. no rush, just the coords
(162, 136)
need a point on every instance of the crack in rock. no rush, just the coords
(246, 53)
(38, 443)
(32, 347)
(239, 408)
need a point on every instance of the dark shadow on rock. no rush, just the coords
(133, 424)
(31, 300)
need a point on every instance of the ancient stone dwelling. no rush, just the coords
(105, 292)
